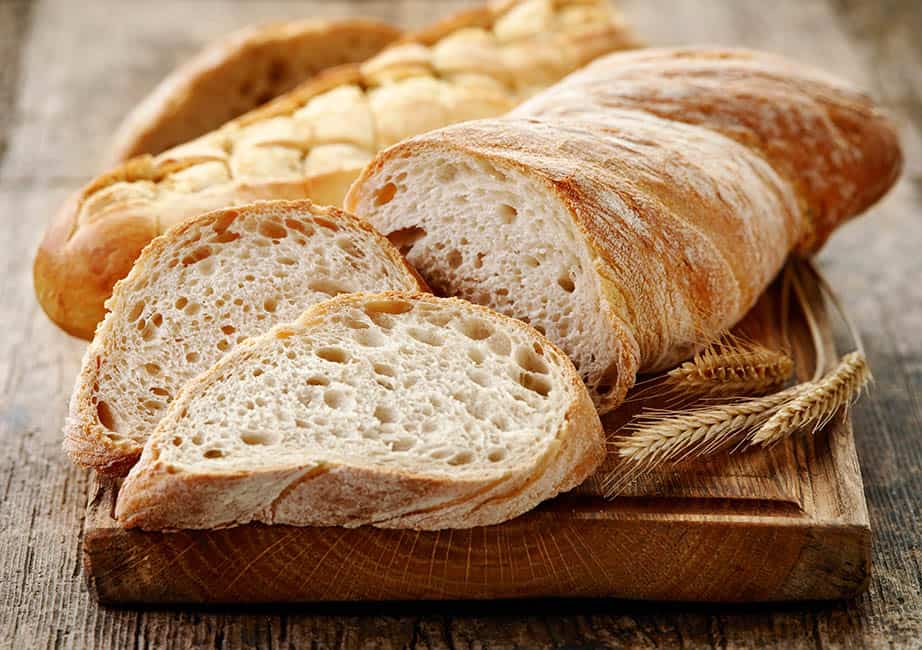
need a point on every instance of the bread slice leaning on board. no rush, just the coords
(314, 141)
(199, 290)
(240, 72)
(638, 208)
(396, 410)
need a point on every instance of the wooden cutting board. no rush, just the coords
(789, 523)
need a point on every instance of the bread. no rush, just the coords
(395, 410)
(312, 142)
(240, 72)
(638, 208)
(199, 290)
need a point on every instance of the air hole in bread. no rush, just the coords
(258, 372)
(335, 399)
(160, 392)
(136, 311)
(348, 246)
(506, 213)
(461, 458)
(228, 329)
(192, 309)
(223, 345)
(384, 370)
(272, 230)
(531, 260)
(566, 283)
(287, 261)
(455, 259)
(152, 368)
(496, 455)
(429, 337)
(259, 438)
(385, 194)
(318, 381)
(404, 238)
(214, 453)
(271, 304)
(475, 329)
(326, 223)
(177, 441)
(479, 377)
(192, 357)
(535, 383)
(300, 226)
(331, 288)
(403, 444)
(530, 360)
(196, 256)
(385, 414)
(333, 355)
(388, 306)
(476, 355)
(105, 415)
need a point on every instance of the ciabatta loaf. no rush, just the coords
(639, 207)
(395, 410)
(314, 141)
(195, 293)
(240, 72)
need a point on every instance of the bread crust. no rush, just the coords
(157, 497)
(82, 255)
(265, 61)
(87, 440)
(686, 198)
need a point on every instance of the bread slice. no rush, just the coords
(240, 72)
(397, 410)
(195, 293)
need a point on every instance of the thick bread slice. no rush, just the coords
(394, 409)
(313, 141)
(240, 72)
(639, 207)
(195, 293)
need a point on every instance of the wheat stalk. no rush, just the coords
(731, 367)
(817, 402)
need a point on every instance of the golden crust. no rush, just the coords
(688, 218)
(156, 497)
(264, 154)
(240, 72)
(87, 440)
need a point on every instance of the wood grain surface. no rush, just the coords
(69, 71)
(787, 523)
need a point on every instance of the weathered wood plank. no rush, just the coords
(85, 64)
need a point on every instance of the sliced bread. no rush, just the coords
(397, 410)
(196, 292)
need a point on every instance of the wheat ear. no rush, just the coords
(817, 402)
(730, 367)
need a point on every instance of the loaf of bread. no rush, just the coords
(312, 142)
(199, 290)
(638, 208)
(395, 410)
(240, 72)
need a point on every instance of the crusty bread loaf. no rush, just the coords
(313, 141)
(396, 410)
(240, 72)
(195, 293)
(639, 207)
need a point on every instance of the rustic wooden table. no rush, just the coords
(69, 71)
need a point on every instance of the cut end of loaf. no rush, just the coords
(397, 410)
(198, 291)
(485, 231)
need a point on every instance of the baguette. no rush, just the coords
(637, 209)
(196, 292)
(312, 142)
(240, 72)
(394, 410)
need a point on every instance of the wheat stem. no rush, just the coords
(817, 402)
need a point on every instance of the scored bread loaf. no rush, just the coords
(313, 141)
(240, 72)
(395, 410)
(199, 290)
(638, 208)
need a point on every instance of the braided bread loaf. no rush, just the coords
(639, 207)
(312, 142)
